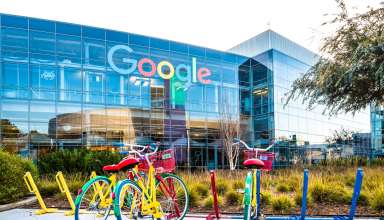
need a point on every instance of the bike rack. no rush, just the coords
(28, 179)
(215, 213)
(64, 189)
(352, 210)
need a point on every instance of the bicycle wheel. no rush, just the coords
(94, 200)
(172, 194)
(127, 202)
(248, 197)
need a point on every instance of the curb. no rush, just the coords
(17, 204)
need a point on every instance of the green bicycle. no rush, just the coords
(251, 208)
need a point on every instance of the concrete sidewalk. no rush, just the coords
(29, 214)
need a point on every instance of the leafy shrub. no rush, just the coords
(222, 187)
(298, 199)
(238, 185)
(281, 203)
(282, 187)
(12, 170)
(363, 198)
(193, 198)
(233, 198)
(48, 187)
(76, 161)
(208, 203)
(376, 200)
(201, 189)
(328, 192)
(265, 197)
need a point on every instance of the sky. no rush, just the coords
(216, 24)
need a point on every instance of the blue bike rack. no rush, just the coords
(303, 212)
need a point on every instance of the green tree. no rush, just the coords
(350, 73)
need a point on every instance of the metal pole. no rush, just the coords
(258, 193)
(304, 196)
(188, 152)
(356, 193)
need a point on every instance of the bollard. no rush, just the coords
(28, 179)
(258, 179)
(214, 195)
(304, 196)
(64, 189)
(356, 193)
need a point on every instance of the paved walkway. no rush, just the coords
(29, 214)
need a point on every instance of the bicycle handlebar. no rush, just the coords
(154, 147)
(237, 141)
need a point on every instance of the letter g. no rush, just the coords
(133, 62)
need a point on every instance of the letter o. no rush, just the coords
(141, 70)
(160, 71)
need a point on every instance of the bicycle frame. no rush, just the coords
(149, 203)
(104, 202)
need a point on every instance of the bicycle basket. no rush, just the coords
(163, 161)
(266, 157)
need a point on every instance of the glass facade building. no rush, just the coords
(67, 86)
(377, 130)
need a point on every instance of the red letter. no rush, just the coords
(145, 73)
(203, 72)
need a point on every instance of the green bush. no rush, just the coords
(48, 187)
(12, 170)
(76, 161)
(208, 203)
(328, 192)
(281, 203)
(282, 187)
(265, 197)
(222, 187)
(238, 185)
(233, 198)
(298, 199)
(376, 200)
(201, 189)
(193, 198)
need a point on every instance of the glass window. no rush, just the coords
(70, 84)
(68, 46)
(15, 74)
(94, 53)
(117, 36)
(197, 51)
(94, 86)
(139, 40)
(14, 39)
(14, 109)
(178, 47)
(14, 21)
(42, 42)
(96, 33)
(42, 111)
(41, 25)
(43, 77)
(159, 43)
(70, 29)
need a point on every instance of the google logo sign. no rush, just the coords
(183, 72)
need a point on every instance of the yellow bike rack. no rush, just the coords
(64, 189)
(33, 189)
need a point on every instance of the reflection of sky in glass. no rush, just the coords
(294, 119)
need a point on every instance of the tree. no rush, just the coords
(350, 73)
(229, 124)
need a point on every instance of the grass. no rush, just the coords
(280, 189)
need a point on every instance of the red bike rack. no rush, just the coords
(216, 212)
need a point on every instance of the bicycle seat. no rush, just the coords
(254, 163)
(126, 164)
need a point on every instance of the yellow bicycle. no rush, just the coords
(158, 194)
